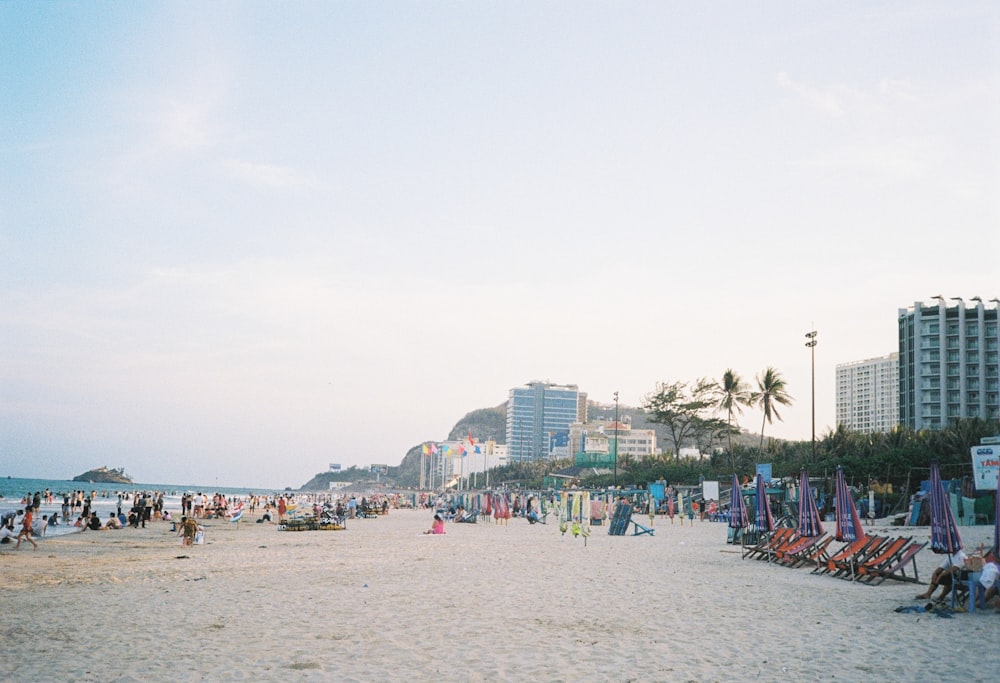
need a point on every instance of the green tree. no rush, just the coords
(679, 407)
(771, 392)
(733, 394)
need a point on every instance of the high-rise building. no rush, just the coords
(948, 365)
(868, 394)
(538, 415)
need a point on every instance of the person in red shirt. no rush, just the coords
(25, 532)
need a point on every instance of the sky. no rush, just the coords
(240, 241)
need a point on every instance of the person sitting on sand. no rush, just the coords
(7, 531)
(113, 522)
(94, 523)
(437, 527)
(943, 575)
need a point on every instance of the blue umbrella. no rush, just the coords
(764, 520)
(849, 528)
(737, 509)
(944, 532)
(809, 523)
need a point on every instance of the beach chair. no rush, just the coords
(885, 556)
(640, 530)
(620, 519)
(768, 543)
(810, 553)
(847, 567)
(782, 539)
(846, 554)
(897, 571)
(789, 553)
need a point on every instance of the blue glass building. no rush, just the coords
(538, 416)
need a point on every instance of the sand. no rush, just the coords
(382, 601)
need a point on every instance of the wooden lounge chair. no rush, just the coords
(897, 571)
(791, 555)
(810, 555)
(834, 562)
(885, 556)
(768, 543)
(782, 546)
(847, 567)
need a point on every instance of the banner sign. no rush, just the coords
(985, 466)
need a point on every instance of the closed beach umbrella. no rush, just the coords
(996, 520)
(737, 508)
(763, 518)
(809, 522)
(849, 527)
(944, 532)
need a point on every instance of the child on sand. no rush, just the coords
(437, 527)
(189, 527)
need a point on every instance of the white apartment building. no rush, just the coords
(868, 394)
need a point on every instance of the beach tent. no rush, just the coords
(809, 522)
(849, 528)
(944, 532)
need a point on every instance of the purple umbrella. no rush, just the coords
(809, 523)
(849, 528)
(764, 520)
(996, 520)
(737, 509)
(944, 532)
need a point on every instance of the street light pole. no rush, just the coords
(616, 439)
(811, 345)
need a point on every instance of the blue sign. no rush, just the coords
(765, 471)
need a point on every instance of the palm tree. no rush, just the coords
(770, 393)
(733, 394)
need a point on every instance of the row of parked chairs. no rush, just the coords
(871, 559)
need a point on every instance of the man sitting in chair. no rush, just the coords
(943, 576)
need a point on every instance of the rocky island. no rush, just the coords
(104, 475)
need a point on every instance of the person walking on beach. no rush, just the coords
(26, 532)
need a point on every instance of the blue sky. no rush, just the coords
(240, 241)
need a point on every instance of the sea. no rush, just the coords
(104, 496)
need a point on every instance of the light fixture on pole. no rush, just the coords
(616, 439)
(811, 345)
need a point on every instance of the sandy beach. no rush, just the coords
(382, 601)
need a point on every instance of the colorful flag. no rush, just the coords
(461, 450)
(472, 442)
(427, 449)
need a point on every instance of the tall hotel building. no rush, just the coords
(538, 416)
(948, 364)
(868, 394)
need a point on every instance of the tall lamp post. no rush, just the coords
(811, 345)
(616, 439)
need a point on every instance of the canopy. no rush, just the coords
(944, 532)
(849, 527)
(763, 518)
(809, 522)
(737, 508)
